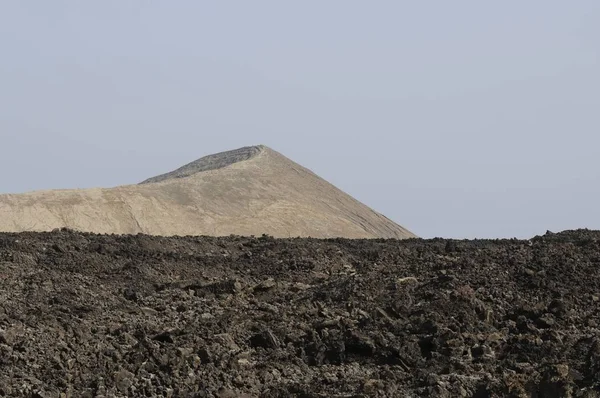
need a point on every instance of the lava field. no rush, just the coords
(84, 315)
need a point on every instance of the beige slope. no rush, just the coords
(258, 192)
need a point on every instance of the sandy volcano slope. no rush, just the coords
(249, 191)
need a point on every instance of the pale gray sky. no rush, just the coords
(453, 118)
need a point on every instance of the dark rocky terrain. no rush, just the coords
(85, 315)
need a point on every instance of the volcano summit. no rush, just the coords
(249, 191)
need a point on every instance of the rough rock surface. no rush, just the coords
(210, 162)
(249, 191)
(85, 315)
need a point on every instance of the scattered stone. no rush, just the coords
(265, 285)
(123, 380)
(547, 320)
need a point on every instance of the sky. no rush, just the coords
(457, 119)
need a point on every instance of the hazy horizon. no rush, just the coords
(465, 120)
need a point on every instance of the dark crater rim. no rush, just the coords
(210, 162)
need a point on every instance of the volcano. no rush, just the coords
(248, 191)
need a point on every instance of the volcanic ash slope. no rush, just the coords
(248, 191)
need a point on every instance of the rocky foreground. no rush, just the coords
(85, 315)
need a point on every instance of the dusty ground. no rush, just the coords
(115, 316)
(249, 191)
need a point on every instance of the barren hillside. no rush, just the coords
(249, 191)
